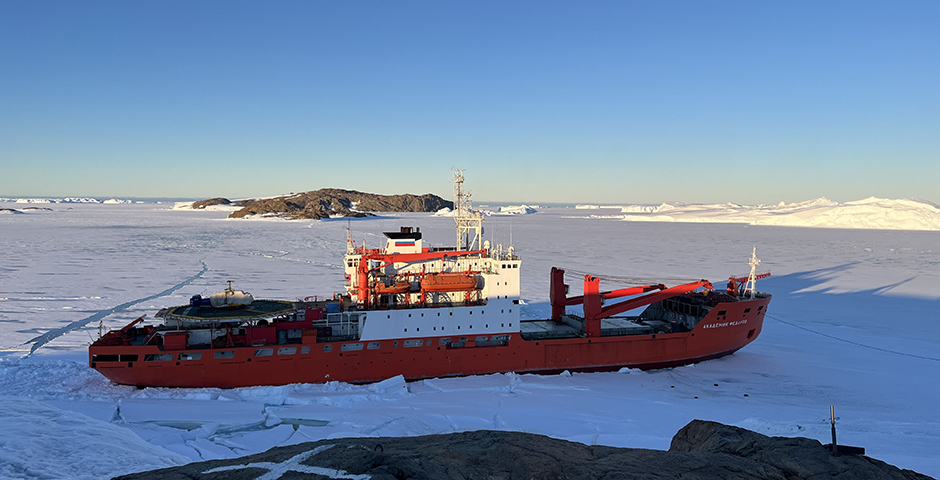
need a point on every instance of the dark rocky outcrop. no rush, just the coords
(212, 201)
(329, 202)
(701, 450)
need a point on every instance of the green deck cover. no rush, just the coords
(257, 309)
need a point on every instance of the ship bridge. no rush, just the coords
(408, 240)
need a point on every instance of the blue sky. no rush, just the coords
(605, 102)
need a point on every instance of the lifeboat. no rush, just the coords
(398, 287)
(448, 283)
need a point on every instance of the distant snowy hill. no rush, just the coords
(870, 213)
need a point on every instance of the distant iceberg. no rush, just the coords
(61, 200)
(515, 210)
(511, 210)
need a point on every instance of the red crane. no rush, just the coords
(593, 299)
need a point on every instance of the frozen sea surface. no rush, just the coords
(853, 323)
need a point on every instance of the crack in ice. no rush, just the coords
(293, 464)
(41, 340)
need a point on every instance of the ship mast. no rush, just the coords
(469, 223)
(752, 277)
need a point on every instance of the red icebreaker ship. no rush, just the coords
(423, 312)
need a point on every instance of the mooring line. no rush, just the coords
(47, 337)
(880, 349)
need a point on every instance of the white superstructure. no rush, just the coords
(408, 290)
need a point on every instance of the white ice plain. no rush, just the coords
(853, 323)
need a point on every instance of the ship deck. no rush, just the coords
(573, 326)
(257, 309)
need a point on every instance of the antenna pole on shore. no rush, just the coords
(832, 421)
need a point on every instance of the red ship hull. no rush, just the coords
(416, 358)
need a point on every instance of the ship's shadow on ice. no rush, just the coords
(820, 284)
(815, 281)
(874, 317)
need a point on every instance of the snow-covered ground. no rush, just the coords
(853, 323)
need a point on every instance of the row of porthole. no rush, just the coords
(502, 325)
(482, 312)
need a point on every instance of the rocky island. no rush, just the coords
(330, 202)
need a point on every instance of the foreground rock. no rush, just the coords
(331, 202)
(701, 450)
